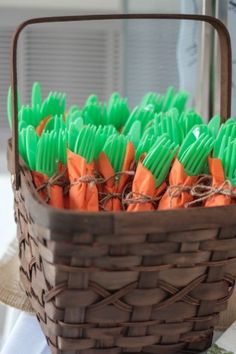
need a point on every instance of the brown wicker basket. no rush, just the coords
(151, 282)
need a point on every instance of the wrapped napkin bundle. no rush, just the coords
(106, 157)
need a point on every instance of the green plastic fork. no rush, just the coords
(22, 145)
(117, 110)
(179, 101)
(9, 105)
(102, 134)
(169, 96)
(92, 113)
(30, 115)
(229, 162)
(84, 145)
(55, 123)
(214, 125)
(144, 114)
(28, 140)
(31, 147)
(151, 98)
(145, 145)
(73, 114)
(188, 120)
(193, 135)
(54, 104)
(226, 133)
(115, 149)
(46, 158)
(61, 146)
(158, 159)
(194, 158)
(134, 134)
(36, 95)
(167, 123)
(73, 131)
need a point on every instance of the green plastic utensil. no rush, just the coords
(169, 96)
(168, 124)
(36, 95)
(30, 115)
(158, 159)
(189, 119)
(22, 125)
(102, 134)
(144, 114)
(72, 116)
(228, 158)
(22, 145)
(194, 158)
(73, 131)
(145, 145)
(46, 158)
(84, 145)
(193, 135)
(151, 98)
(230, 120)
(214, 125)
(117, 111)
(92, 99)
(9, 105)
(134, 134)
(55, 123)
(179, 101)
(61, 144)
(31, 147)
(73, 108)
(54, 104)
(115, 149)
(225, 134)
(92, 113)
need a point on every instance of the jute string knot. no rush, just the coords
(139, 198)
(175, 191)
(98, 179)
(58, 179)
(106, 197)
(87, 179)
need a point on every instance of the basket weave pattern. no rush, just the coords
(116, 287)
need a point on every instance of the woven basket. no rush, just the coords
(150, 282)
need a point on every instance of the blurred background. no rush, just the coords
(132, 57)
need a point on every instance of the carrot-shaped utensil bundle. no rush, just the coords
(115, 167)
(222, 166)
(48, 180)
(83, 193)
(186, 168)
(149, 180)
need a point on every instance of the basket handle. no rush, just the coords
(225, 75)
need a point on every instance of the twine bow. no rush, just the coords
(175, 191)
(203, 192)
